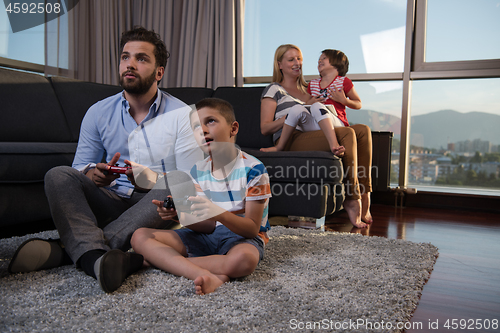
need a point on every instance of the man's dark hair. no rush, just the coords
(143, 35)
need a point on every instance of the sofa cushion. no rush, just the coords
(22, 203)
(25, 162)
(30, 109)
(246, 104)
(77, 96)
(303, 183)
(189, 95)
(301, 166)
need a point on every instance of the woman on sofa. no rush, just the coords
(354, 146)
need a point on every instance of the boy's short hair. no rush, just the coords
(141, 34)
(338, 60)
(225, 108)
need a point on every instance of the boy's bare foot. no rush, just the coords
(353, 209)
(269, 149)
(209, 283)
(338, 151)
(366, 215)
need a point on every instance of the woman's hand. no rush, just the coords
(268, 125)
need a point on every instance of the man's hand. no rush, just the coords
(100, 174)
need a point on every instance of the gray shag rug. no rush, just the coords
(308, 281)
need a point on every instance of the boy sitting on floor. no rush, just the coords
(233, 192)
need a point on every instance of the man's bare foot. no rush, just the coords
(366, 215)
(353, 209)
(269, 149)
(209, 283)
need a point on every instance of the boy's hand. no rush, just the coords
(315, 99)
(141, 176)
(337, 95)
(165, 214)
(204, 209)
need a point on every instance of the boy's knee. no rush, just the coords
(138, 237)
(243, 263)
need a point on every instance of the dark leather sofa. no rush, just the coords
(39, 127)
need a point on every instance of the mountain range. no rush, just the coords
(436, 129)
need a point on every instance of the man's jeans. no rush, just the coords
(90, 217)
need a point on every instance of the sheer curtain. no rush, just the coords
(204, 38)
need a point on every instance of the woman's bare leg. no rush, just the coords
(366, 215)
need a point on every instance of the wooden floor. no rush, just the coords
(465, 283)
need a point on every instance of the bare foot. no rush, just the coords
(269, 149)
(353, 209)
(366, 216)
(338, 151)
(209, 283)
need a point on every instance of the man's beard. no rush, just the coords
(140, 86)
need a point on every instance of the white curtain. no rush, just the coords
(204, 38)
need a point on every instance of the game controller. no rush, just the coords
(185, 204)
(168, 203)
(119, 169)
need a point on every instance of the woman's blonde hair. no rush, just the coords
(278, 74)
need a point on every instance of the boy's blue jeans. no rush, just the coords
(220, 241)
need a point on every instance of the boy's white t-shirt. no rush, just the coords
(248, 180)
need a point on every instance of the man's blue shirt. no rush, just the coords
(163, 141)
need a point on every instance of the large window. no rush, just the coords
(462, 30)
(34, 48)
(27, 46)
(373, 43)
(443, 82)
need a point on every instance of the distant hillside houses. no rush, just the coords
(426, 168)
(471, 146)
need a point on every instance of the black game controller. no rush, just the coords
(168, 203)
(185, 204)
(119, 169)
